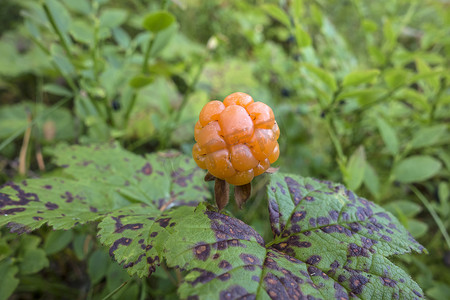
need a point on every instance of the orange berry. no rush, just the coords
(218, 164)
(261, 167)
(238, 98)
(261, 114)
(275, 154)
(210, 139)
(210, 112)
(236, 139)
(199, 156)
(237, 127)
(241, 178)
(242, 158)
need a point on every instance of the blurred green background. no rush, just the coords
(360, 90)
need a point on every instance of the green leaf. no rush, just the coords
(137, 235)
(417, 228)
(417, 168)
(82, 244)
(83, 32)
(323, 75)
(297, 9)
(113, 17)
(9, 282)
(388, 135)
(33, 261)
(371, 180)
(57, 241)
(277, 13)
(303, 38)
(65, 66)
(121, 37)
(396, 78)
(57, 90)
(328, 243)
(428, 136)
(360, 77)
(104, 178)
(355, 169)
(403, 208)
(98, 264)
(158, 21)
(140, 81)
(340, 235)
(80, 6)
(162, 40)
(60, 15)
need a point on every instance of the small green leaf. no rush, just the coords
(121, 36)
(59, 57)
(417, 168)
(113, 17)
(417, 228)
(439, 290)
(303, 38)
(323, 75)
(82, 244)
(404, 208)
(80, 6)
(297, 9)
(33, 261)
(57, 240)
(9, 282)
(371, 180)
(82, 32)
(277, 13)
(360, 77)
(57, 90)
(98, 264)
(158, 21)
(140, 81)
(162, 40)
(396, 77)
(356, 169)
(428, 136)
(388, 135)
(60, 15)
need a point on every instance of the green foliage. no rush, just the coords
(147, 217)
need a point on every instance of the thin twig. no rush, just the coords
(24, 149)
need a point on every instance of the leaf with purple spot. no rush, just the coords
(136, 235)
(99, 179)
(344, 236)
(227, 259)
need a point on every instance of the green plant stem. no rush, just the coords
(143, 289)
(337, 145)
(189, 91)
(58, 32)
(167, 135)
(435, 103)
(130, 107)
(433, 213)
(144, 68)
(115, 291)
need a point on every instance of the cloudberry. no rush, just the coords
(236, 139)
